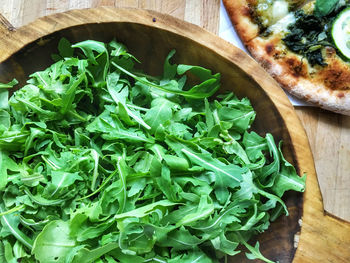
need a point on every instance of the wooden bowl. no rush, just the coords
(150, 36)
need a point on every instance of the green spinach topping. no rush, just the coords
(325, 7)
(100, 162)
(312, 32)
(307, 37)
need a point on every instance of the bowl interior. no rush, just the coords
(151, 45)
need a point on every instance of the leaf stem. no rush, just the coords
(76, 115)
(253, 250)
(100, 188)
(17, 208)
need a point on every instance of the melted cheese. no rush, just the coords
(270, 11)
(279, 10)
(282, 25)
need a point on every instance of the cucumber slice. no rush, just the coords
(341, 32)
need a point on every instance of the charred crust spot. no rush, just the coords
(296, 67)
(337, 79)
(277, 55)
(336, 76)
(247, 11)
(290, 61)
(269, 48)
(340, 95)
(266, 64)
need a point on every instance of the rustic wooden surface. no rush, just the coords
(329, 133)
(329, 136)
(323, 238)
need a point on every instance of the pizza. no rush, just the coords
(252, 17)
(307, 50)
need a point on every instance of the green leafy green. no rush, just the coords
(53, 243)
(10, 225)
(325, 7)
(311, 33)
(8, 85)
(101, 162)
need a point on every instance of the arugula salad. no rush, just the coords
(100, 162)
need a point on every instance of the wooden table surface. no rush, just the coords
(329, 133)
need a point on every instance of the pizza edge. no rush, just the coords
(292, 72)
(240, 14)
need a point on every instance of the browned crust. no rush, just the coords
(337, 75)
(328, 87)
(241, 15)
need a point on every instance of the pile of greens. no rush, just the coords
(100, 162)
(312, 32)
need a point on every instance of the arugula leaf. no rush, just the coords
(6, 165)
(159, 113)
(8, 85)
(4, 99)
(118, 97)
(255, 253)
(10, 227)
(288, 179)
(206, 89)
(223, 244)
(145, 210)
(5, 121)
(61, 180)
(2, 251)
(65, 48)
(192, 256)
(226, 175)
(180, 239)
(53, 243)
(8, 255)
(101, 162)
(85, 255)
(204, 209)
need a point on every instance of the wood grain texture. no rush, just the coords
(323, 238)
(329, 136)
(21, 12)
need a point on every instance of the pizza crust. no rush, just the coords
(241, 15)
(327, 87)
